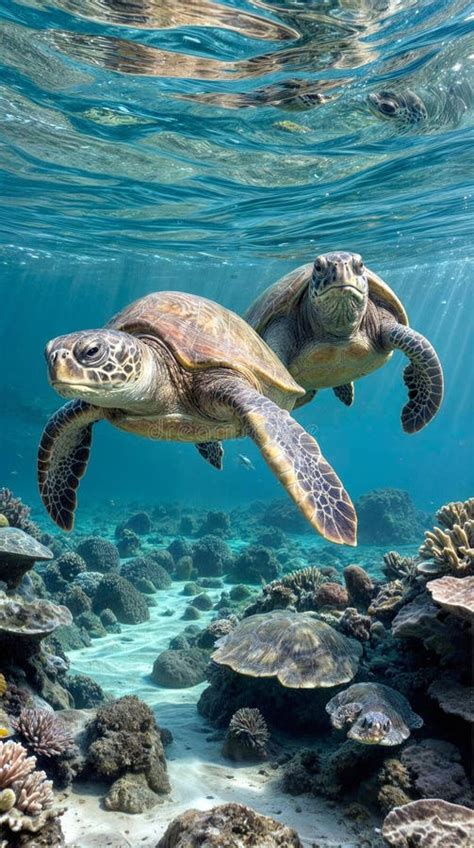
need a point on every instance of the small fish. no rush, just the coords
(245, 462)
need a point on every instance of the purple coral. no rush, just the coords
(17, 513)
(42, 732)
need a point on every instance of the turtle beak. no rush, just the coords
(59, 361)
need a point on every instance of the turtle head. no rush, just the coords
(339, 292)
(404, 109)
(105, 367)
(371, 728)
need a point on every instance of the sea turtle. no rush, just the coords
(298, 649)
(334, 321)
(179, 367)
(378, 715)
(434, 106)
(18, 553)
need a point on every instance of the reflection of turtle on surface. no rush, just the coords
(335, 321)
(291, 95)
(435, 107)
(296, 648)
(378, 715)
(179, 367)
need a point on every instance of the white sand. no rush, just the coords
(200, 776)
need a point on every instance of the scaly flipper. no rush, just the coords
(423, 376)
(345, 393)
(62, 458)
(307, 398)
(297, 461)
(212, 452)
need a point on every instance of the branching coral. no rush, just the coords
(17, 513)
(397, 567)
(26, 797)
(247, 736)
(298, 590)
(42, 732)
(450, 548)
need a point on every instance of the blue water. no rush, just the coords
(126, 168)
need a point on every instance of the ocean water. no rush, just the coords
(212, 147)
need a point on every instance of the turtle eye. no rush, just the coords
(357, 264)
(320, 265)
(388, 107)
(90, 353)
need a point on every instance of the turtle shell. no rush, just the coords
(280, 298)
(202, 334)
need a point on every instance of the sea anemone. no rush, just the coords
(42, 732)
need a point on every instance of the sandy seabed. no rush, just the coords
(200, 777)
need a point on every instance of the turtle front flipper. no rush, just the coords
(345, 393)
(63, 455)
(297, 461)
(423, 376)
(213, 453)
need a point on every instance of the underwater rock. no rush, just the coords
(130, 794)
(179, 669)
(436, 771)
(92, 623)
(99, 554)
(283, 515)
(179, 547)
(230, 825)
(184, 568)
(18, 553)
(139, 523)
(191, 613)
(247, 736)
(217, 523)
(202, 602)
(377, 714)
(70, 638)
(454, 594)
(453, 698)
(191, 589)
(254, 564)
(187, 525)
(359, 586)
(85, 691)
(124, 737)
(296, 648)
(450, 548)
(240, 592)
(211, 556)
(76, 600)
(128, 543)
(430, 822)
(331, 595)
(162, 558)
(110, 621)
(70, 565)
(146, 568)
(388, 517)
(118, 594)
(215, 630)
(271, 538)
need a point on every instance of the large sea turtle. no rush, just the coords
(429, 108)
(333, 321)
(179, 367)
(378, 715)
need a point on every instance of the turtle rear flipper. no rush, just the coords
(423, 376)
(345, 393)
(297, 461)
(213, 453)
(63, 455)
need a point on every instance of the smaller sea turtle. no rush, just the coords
(298, 649)
(291, 95)
(435, 107)
(175, 366)
(378, 715)
(334, 321)
(18, 553)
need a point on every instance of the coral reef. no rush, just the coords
(453, 698)
(18, 553)
(118, 594)
(436, 771)
(359, 585)
(254, 564)
(42, 732)
(215, 524)
(454, 594)
(85, 691)
(26, 797)
(179, 547)
(124, 739)
(450, 548)
(128, 543)
(146, 570)
(247, 736)
(139, 522)
(388, 517)
(232, 826)
(184, 568)
(297, 590)
(17, 514)
(285, 516)
(179, 669)
(211, 556)
(70, 565)
(432, 822)
(99, 554)
(397, 567)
